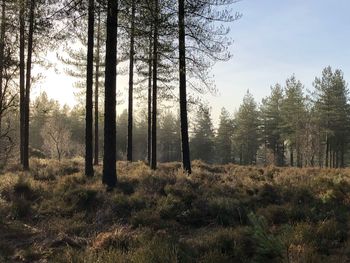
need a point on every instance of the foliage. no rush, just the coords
(225, 213)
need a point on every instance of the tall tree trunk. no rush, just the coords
(97, 88)
(149, 134)
(154, 95)
(337, 159)
(291, 156)
(21, 73)
(89, 169)
(327, 151)
(330, 155)
(131, 83)
(183, 93)
(2, 49)
(342, 156)
(109, 157)
(28, 85)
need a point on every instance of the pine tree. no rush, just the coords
(223, 140)
(294, 118)
(89, 170)
(333, 115)
(109, 157)
(246, 137)
(202, 142)
(271, 123)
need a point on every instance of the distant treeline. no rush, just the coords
(289, 127)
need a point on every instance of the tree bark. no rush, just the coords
(183, 93)
(28, 86)
(342, 156)
(149, 134)
(89, 170)
(109, 157)
(154, 95)
(2, 49)
(131, 83)
(21, 74)
(97, 89)
(327, 150)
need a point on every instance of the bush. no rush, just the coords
(226, 211)
(21, 208)
(80, 199)
(275, 214)
(268, 247)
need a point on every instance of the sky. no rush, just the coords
(273, 40)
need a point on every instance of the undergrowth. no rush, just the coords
(218, 214)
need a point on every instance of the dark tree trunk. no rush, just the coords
(337, 159)
(149, 134)
(299, 161)
(2, 49)
(109, 157)
(97, 88)
(89, 169)
(183, 93)
(131, 83)
(28, 84)
(291, 157)
(327, 152)
(342, 156)
(21, 75)
(154, 95)
(330, 156)
(241, 155)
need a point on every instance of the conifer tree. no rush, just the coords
(247, 130)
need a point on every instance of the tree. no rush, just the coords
(56, 137)
(122, 138)
(202, 143)
(2, 52)
(271, 122)
(246, 137)
(28, 86)
(223, 140)
(22, 75)
(333, 115)
(186, 161)
(169, 138)
(8, 76)
(89, 170)
(131, 81)
(294, 118)
(109, 157)
(97, 89)
(42, 109)
(155, 87)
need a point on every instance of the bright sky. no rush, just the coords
(273, 40)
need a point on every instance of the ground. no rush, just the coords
(221, 213)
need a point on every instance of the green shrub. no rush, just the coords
(268, 247)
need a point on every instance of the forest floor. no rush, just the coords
(221, 213)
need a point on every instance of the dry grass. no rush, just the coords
(223, 213)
